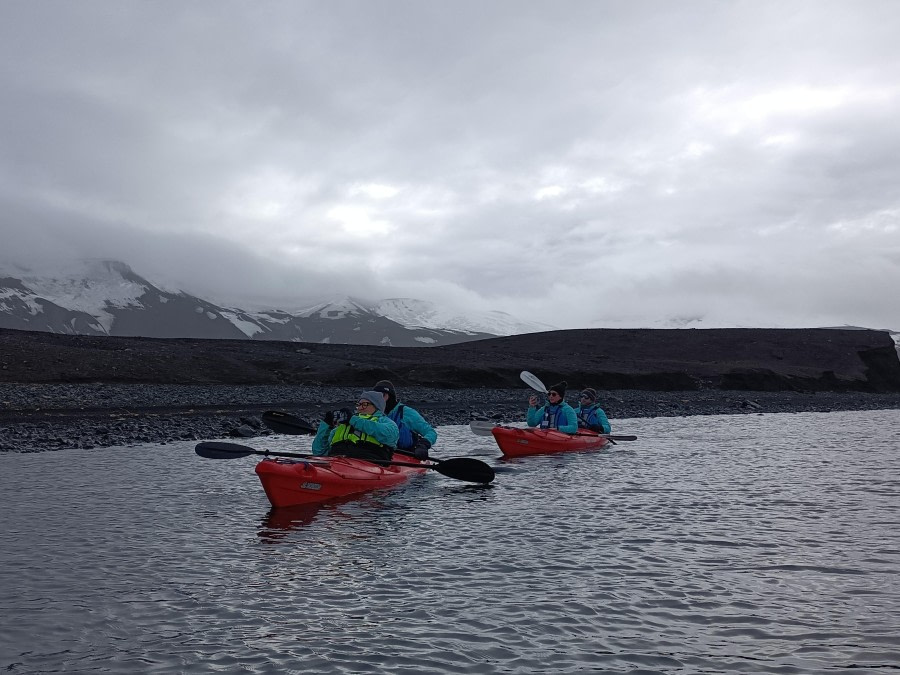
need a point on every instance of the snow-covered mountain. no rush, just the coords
(106, 297)
(419, 313)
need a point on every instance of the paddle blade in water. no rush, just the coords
(467, 469)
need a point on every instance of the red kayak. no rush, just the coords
(516, 442)
(290, 482)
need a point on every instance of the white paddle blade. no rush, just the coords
(485, 428)
(532, 381)
(481, 428)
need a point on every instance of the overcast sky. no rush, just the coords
(586, 163)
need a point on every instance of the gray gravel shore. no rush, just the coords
(39, 417)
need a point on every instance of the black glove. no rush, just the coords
(421, 449)
(342, 416)
(328, 418)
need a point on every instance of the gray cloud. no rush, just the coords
(581, 164)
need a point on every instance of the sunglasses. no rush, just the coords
(553, 393)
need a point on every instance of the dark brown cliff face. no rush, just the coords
(658, 360)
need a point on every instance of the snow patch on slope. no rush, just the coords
(337, 309)
(29, 300)
(248, 328)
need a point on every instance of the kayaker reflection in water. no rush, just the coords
(590, 415)
(369, 434)
(416, 435)
(556, 414)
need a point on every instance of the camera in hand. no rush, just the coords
(334, 417)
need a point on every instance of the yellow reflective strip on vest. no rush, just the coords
(344, 432)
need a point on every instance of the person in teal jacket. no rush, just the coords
(556, 414)
(369, 434)
(590, 415)
(416, 435)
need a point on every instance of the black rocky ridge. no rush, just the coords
(59, 391)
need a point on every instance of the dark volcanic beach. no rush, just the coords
(63, 391)
(36, 417)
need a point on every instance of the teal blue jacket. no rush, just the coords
(414, 421)
(593, 417)
(560, 416)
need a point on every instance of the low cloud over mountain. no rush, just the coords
(106, 297)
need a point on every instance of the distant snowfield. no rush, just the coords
(414, 313)
(338, 309)
(422, 314)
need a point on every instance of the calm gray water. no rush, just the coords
(757, 543)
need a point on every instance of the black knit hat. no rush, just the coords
(559, 388)
(385, 387)
(589, 393)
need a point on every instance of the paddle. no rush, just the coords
(220, 450)
(460, 468)
(533, 382)
(285, 423)
(483, 428)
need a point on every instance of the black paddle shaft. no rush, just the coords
(466, 469)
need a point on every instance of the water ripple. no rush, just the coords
(752, 544)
